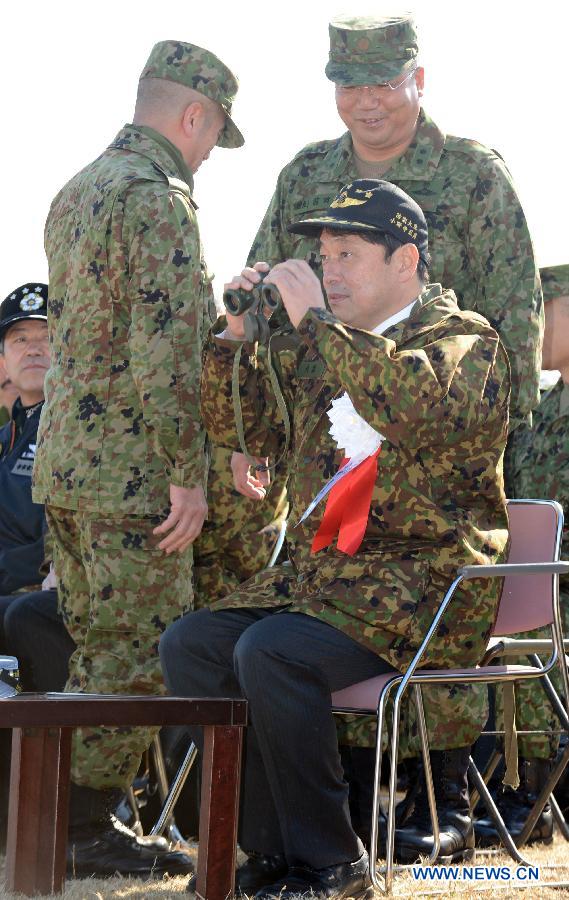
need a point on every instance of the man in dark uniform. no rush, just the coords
(25, 356)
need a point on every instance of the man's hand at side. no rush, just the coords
(188, 510)
(299, 287)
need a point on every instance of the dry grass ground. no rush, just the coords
(405, 886)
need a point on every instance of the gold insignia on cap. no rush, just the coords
(343, 200)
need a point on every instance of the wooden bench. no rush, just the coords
(39, 783)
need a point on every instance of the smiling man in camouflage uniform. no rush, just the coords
(478, 236)
(120, 462)
(435, 382)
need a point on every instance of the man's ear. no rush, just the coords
(420, 80)
(407, 260)
(192, 117)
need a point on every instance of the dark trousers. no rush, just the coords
(294, 796)
(32, 630)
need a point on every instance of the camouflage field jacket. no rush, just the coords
(437, 387)
(478, 235)
(129, 303)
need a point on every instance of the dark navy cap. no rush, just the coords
(370, 204)
(27, 302)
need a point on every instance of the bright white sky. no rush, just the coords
(495, 71)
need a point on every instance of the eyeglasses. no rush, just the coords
(374, 90)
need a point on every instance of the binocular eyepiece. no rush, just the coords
(238, 301)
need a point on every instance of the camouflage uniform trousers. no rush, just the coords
(444, 707)
(117, 593)
(533, 709)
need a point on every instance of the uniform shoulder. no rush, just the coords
(111, 177)
(318, 148)
(471, 149)
(317, 152)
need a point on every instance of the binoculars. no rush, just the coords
(238, 301)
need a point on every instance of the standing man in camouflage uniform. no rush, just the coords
(121, 464)
(539, 467)
(428, 376)
(479, 241)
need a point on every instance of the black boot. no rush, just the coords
(415, 839)
(359, 770)
(515, 807)
(99, 845)
(259, 870)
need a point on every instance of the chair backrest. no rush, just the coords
(535, 536)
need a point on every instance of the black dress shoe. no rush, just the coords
(259, 870)
(346, 880)
(113, 852)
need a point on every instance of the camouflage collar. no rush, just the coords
(420, 160)
(418, 163)
(148, 142)
(432, 305)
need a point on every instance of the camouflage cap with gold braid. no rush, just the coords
(202, 71)
(554, 281)
(369, 204)
(371, 49)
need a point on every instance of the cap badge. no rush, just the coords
(343, 200)
(31, 301)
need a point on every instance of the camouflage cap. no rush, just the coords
(371, 49)
(201, 70)
(370, 204)
(555, 281)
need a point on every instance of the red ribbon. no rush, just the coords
(347, 508)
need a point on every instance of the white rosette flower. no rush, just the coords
(352, 434)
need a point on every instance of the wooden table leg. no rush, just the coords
(38, 810)
(219, 811)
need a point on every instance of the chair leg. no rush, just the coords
(491, 767)
(390, 842)
(137, 824)
(559, 818)
(381, 718)
(544, 795)
(418, 697)
(494, 813)
(165, 820)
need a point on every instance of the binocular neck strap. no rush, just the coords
(238, 411)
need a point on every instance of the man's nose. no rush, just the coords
(369, 99)
(331, 275)
(36, 348)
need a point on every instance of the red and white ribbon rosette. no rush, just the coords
(350, 490)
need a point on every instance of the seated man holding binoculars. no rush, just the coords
(398, 403)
